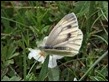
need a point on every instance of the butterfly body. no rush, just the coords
(65, 38)
(58, 48)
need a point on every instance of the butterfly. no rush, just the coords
(65, 38)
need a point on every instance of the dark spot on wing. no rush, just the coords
(69, 26)
(68, 36)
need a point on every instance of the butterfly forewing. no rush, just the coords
(67, 22)
(65, 37)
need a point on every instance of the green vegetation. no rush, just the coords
(24, 24)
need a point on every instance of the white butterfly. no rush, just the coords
(65, 39)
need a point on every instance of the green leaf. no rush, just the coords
(81, 8)
(15, 54)
(44, 69)
(4, 71)
(31, 77)
(15, 78)
(105, 8)
(8, 62)
(97, 78)
(5, 78)
(53, 74)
